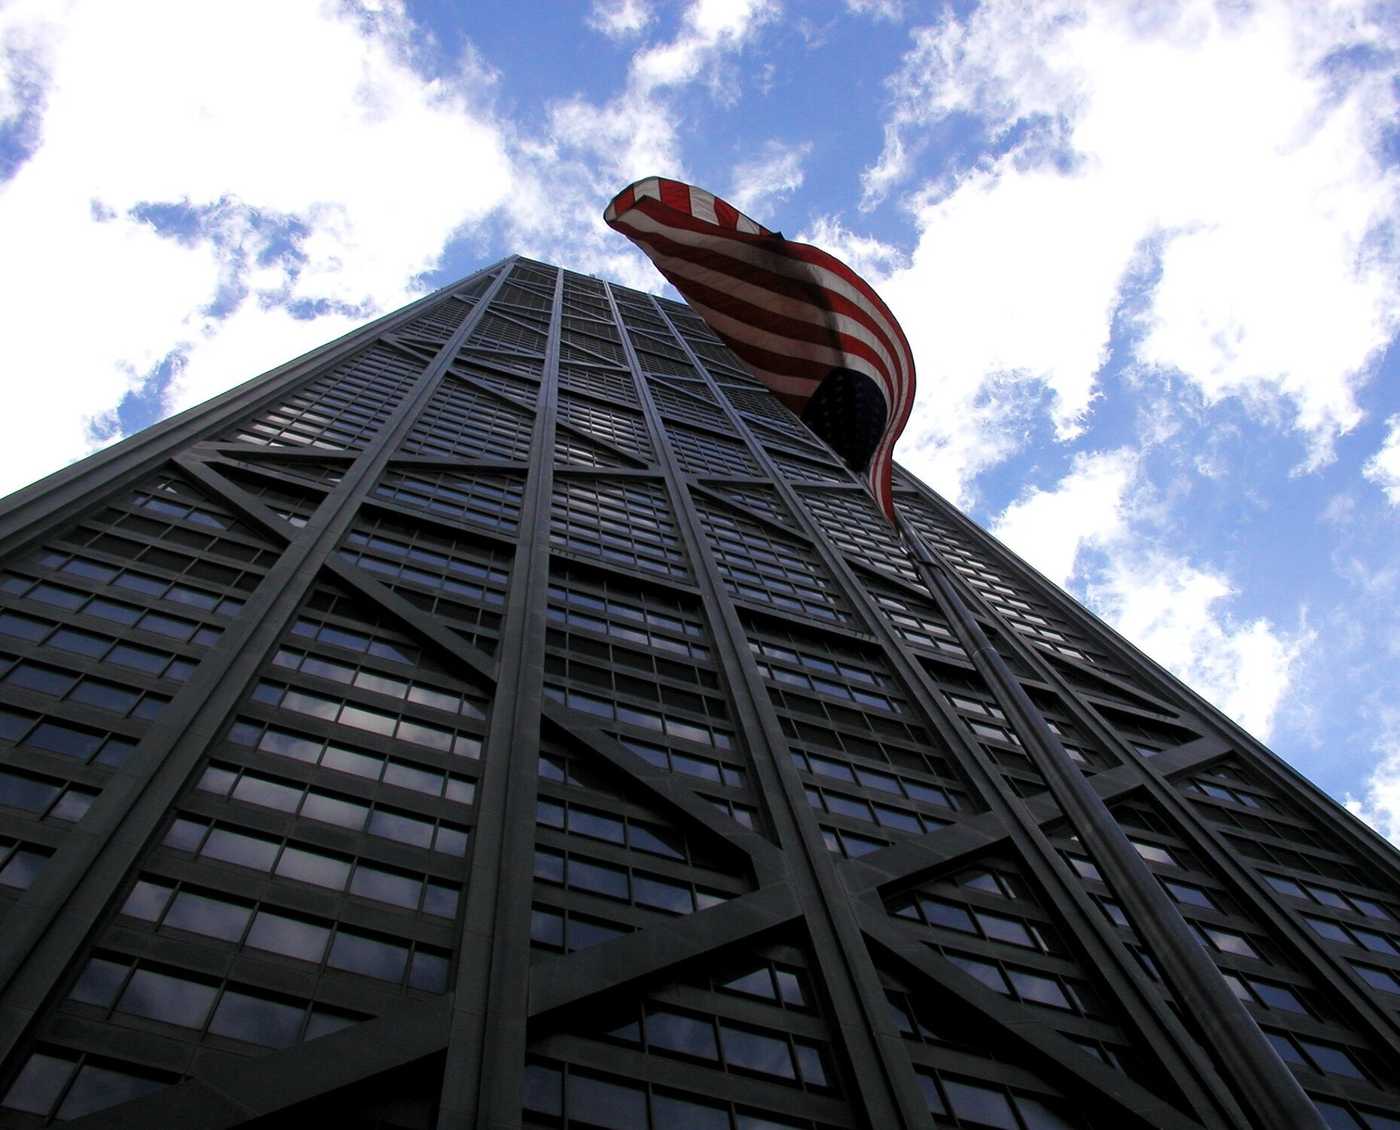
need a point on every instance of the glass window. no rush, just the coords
(28, 793)
(174, 1000)
(756, 1052)
(1041, 990)
(428, 971)
(22, 868)
(611, 1106)
(386, 886)
(69, 741)
(662, 894)
(203, 915)
(598, 878)
(257, 1019)
(293, 937)
(400, 826)
(688, 1035)
(37, 1087)
(270, 794)
(240, 848)
(100, 982)
(1001, 929)
(147, 900)
(980, 1105)
(1333, 1061)
(1229, 942)
(1186, 893)
(543, 1089)
(1377, 978)
(1277, 996)
(371, 957)
(334, 810)
(313, 867)
(98, 1087)
(667, 1111)
(811, 1064)
(1153, 853)
(411, 777)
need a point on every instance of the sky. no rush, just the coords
(1146, 253)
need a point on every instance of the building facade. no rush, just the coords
(510, 715)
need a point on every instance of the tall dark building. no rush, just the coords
(510, 715)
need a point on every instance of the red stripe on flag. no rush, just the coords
(676, 195)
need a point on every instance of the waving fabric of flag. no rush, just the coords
(804, 323)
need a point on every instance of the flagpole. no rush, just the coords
(1261, 1081)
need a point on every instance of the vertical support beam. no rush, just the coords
(486, 1048)
(1266, 1087)
(885, 1084)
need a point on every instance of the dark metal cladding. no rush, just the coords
(511, 715)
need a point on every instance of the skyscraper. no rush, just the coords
(510, 714)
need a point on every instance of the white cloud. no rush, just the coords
(1088, 508)
(1176, 612)
(891, 10)
(1101, 528)
(710, 28)
(620, 19)
(763, 183)
(871, 258)
(310, 122)
(1159, 154)
(1379, 804)
(1383, 468)
(592, 150)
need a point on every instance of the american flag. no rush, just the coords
(804, 323)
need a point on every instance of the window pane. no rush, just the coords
(22, 869)
(544, 1089)
(290, 936)
(351, 761)
(147, 900)
(1041, 990)
(1276, 996)
(688, 1035)
(980, 1105)
(811, 1064)
(1004, 929)
(441, 900)
(686, 1114)
(37, 1086)
(400, 826)
(323, 1022)
(358, 953)
(428, 971)
(947, 915)
(605, 1104)
(237, 847)
(97, 1088)
(756, 1052)
(400, 890)
(269, 794)
(312, 867)
(334, 810)
(411, 777)
(662, 894)
(759, 983)
(203, 915)
(258, 1020)
(171, 999)
(598, 878)
(26, 792)
(100, 981)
